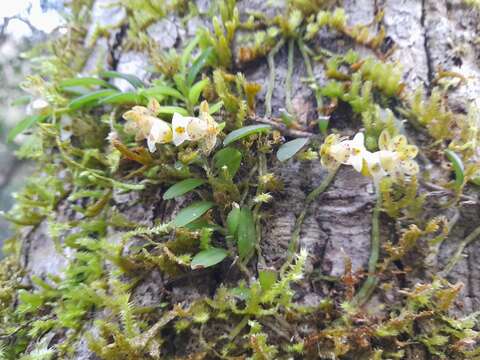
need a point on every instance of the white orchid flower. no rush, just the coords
(204, 129)
(394, 159)
(145, 125)
(374, 166)
(398, 155)
(139, 122)
(38, 106)
(349, 152)
(357, 151)
(180, 126)
(160, 133)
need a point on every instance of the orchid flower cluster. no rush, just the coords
(144, 123)
(394, 158)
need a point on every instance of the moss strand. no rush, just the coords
(458, 254)
(292, 248)
(288, 81)
(271, 77)
(369, 285)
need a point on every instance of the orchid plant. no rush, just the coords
(144, 123)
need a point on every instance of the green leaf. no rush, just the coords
(458, 167)
(229, 157)
(267, 278)
(192, 212)
(233, 218)
(246, 233)
(196, 91)
(198, 64)
(90, 98)
(182, 187)
(476, 180)
(85, 82)
(187, 52)
(162, 90)
(290, 148)
(198, 224)
(132, 79)
(181, 84)
(123, 98)
(215, 107)
(207, 258)
(21, 101)
(25, 124)
(172, 109)
(323, 123)
(244, 132)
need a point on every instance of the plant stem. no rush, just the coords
(288, 80)
(458, 254)
(238, 328)
(369, 285)
(292, 248)
(262, 170)
(311, 75)
(271, 78)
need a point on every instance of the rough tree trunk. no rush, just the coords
(428, 35)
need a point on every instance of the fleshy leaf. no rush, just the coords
(233, 218)
(244, 132)
(84, 82)
(90, 98)
(198, 64)
(182, 188)
(192, 212)
(172, 109)
(122, 98)
(132, 79)
(229, 157)
(162, 90)
(290, 148)
(196, 91)
(458, 167)
(23, 125)
(246, 234)
(209, 257)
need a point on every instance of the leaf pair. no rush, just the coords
(212, 255)
(241, 226)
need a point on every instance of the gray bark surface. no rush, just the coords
(428, 35)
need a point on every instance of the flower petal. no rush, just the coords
(160, 133)
(399, 142)
(179, 127)
(384, 140)
(409, 167)
(410, 151)
(374, 166)
(387, 159)
(208, 143)
(357, 162)
(358, 141)
(340, 152)
(197, 129)
(151, 144)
